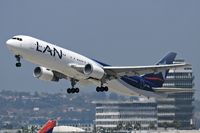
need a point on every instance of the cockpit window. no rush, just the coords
(17, 38)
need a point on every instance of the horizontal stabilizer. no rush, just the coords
(172, 90)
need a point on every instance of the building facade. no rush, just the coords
(177, 109)
(111, 114)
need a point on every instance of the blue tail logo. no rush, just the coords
(157, 79)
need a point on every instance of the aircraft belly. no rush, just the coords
(116, 86)
(141, 92)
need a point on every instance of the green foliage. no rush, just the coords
(119, 126)
(124, 126)
(152, 126)
(165, 125)
(129, 126)
(137, 126)
(176, 124)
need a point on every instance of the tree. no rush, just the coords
(176, 124)
(100, 130)
(19, 131)
(110, 130)
(152, 126)
(33, 129)
(119, 126)
(165, 125)
(129, 126)
(137, 126)
(25, 129)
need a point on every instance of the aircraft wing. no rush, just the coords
(139, 70)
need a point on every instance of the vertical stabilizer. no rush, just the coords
(48, 127)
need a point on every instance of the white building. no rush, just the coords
(110, 113)
(177, 107)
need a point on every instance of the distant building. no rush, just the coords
(110, 114)
(10, 130)
(177, 108)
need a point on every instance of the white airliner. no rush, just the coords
(57, 63)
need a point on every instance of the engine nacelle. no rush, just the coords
(43, 73)
(93, 71)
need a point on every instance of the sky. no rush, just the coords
(115, 32)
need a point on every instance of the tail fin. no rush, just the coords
(157, 79)
(48, 127)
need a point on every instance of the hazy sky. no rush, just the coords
(116, 32)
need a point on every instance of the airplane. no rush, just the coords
(48, 127)
(57, 63)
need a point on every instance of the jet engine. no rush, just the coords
(93, 71)
(43, 73)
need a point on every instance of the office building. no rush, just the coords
(177, 108)
(142, 112)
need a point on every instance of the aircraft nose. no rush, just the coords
(11, 43)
